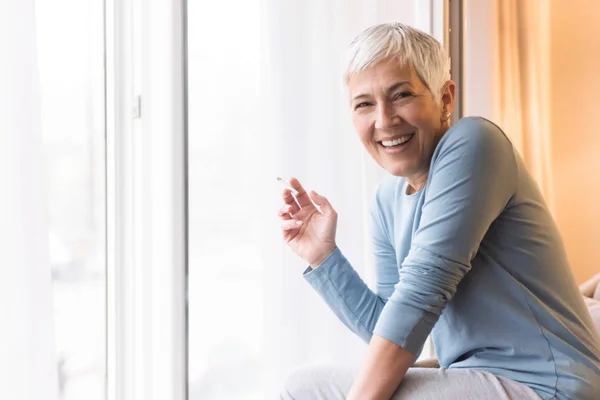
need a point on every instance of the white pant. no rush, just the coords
(333, 383)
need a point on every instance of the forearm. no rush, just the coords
(346, 294)
(383, 370)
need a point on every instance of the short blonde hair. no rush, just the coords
(407, 45)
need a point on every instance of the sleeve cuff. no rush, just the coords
(401, 324)
(332, 259)
(333, 269)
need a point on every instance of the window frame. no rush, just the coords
(146, 199)
(454, 42)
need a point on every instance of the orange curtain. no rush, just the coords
(523, 55)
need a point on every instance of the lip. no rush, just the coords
(398, 149)
(390, 138)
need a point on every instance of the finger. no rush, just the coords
(291, 208)
(284, 214)
(302, 197)
(322, 203)
(288, 198)
(290, 225)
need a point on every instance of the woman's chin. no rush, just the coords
(395, 169)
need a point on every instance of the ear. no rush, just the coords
(447, 101)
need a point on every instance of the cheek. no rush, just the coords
(425, 124)
(419, 116)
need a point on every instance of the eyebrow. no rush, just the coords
(390, 89)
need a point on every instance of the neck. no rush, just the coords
(416, 182)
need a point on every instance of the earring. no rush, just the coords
(448, 115)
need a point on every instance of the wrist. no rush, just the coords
(322, 257)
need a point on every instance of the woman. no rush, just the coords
(465, 249)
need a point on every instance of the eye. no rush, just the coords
(402, 95)
(362, 105)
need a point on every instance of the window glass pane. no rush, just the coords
(225, 361)
(70, 56)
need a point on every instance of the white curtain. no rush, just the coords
(308, 134)
(27, 356)
(267, 100)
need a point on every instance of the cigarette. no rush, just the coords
(294, 191)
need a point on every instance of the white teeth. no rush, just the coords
(395, 142)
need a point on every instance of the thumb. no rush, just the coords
(321, 202)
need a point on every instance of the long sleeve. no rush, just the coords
(346, 293)
(472, 178)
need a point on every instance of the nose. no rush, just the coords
(386, 116)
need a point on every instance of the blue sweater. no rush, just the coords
(476, 260)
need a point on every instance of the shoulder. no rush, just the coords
(388, 185)
(387, 188)
(382, 205)
(474, 138)
(385, 194)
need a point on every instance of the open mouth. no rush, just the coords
(397, 143)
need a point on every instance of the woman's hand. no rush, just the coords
(308, 230)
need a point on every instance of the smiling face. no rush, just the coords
(398, 119)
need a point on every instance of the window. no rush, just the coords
(71, 67)
(225, 293)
